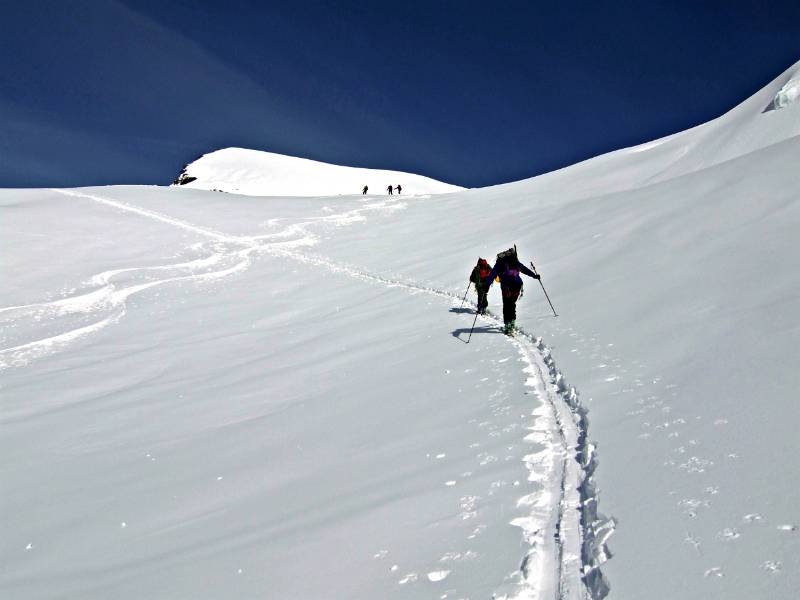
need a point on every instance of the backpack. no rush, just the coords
(509, 262)
(510, 253)
(484, 268)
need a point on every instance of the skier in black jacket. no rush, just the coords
(508, 268)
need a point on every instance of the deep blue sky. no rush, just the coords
(473, 93)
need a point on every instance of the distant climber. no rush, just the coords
(480, 276)
(389, 189)
(507, 269)
(364, 191)
(399, 189)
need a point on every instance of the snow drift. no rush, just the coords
(256, 173)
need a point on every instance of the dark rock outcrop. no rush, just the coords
(183, 177)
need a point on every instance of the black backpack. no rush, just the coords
(508, 261)
(506, 254)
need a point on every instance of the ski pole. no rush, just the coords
(555, 314)
(465, 295)
(475, 320)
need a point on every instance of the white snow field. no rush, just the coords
(256, 173)
(211, 395)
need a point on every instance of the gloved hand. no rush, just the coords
(537, 276)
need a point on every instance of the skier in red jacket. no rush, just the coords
(480, 276)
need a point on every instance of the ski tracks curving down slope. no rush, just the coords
(564, 533)
(30, 331)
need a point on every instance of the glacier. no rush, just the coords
(211, 395)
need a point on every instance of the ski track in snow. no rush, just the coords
(565, 534)
(32, 331)
(562, 522)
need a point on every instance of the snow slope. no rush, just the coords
(208, 395)
(748, 127)
(256, 173)
(229, 420)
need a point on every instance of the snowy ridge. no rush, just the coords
(257, 173)
(748, 127)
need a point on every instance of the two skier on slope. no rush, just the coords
(506, 269)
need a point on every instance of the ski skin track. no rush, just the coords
(574, 532)
(579, 579)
